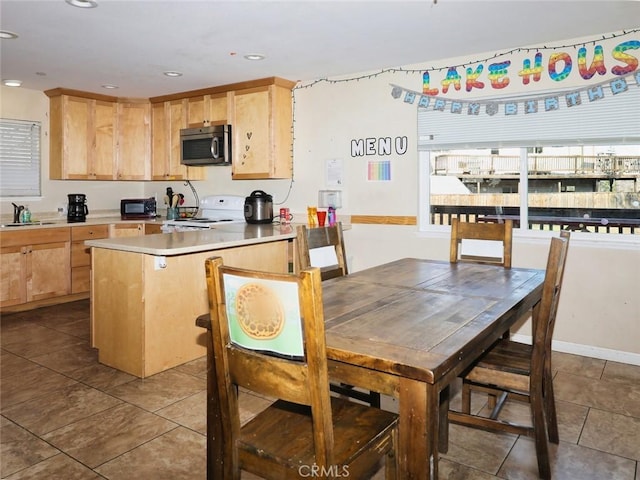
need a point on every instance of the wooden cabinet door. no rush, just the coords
(48, 267)
(207, 110)
(168, 118)
(251, 134)
(102, 158)
(81, 139)
(216, 108)
(262, 133)
(195, 112)
(134, 141)
(13, 290)
(35, 265)
(159, 141)
(76, 137)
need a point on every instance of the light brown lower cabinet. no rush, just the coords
(45, 266)
(81, 255)
(34, 265)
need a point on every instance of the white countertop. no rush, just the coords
(62, 222)
(216, 238)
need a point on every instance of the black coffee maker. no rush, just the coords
(77, 210)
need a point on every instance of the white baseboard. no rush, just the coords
(588, 350)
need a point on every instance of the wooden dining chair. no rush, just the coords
(268, 337)
(323, 247)
(512, 370)
(501, 232)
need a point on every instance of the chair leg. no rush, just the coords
(466, 398)
(391, 462)
(550, 410)
(492, 401)
(540, 435)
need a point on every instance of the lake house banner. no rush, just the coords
(574, 74)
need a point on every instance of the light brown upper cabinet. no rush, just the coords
(167, 118)
(97, 137)
(82, 142)
(261, 120)
(207, 110)
(134, 141)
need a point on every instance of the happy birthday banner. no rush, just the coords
(527, 105)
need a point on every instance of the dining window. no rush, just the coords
(575, 169)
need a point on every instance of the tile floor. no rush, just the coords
(65, 416)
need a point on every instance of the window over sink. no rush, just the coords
(19, 158)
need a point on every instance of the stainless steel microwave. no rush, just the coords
(206, 145)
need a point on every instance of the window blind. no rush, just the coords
(19, 158)
(613, 119)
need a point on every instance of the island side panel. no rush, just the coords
(176, 295)
(154, 325)
(117, 309)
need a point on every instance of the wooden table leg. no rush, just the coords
(443, 446)
(414, 444)
(433, 428)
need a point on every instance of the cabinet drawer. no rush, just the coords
(88, 232)
(80, 254)
(151, 228)
(34, 236)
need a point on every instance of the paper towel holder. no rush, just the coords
(330, 198)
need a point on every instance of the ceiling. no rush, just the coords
(131, 43)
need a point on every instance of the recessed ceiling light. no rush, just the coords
(83, 3)
(12, 83)
(109, 86)
(7, 35)
(173, 74)
(254, 56)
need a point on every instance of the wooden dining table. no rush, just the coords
(407, 329)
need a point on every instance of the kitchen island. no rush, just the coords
(147, 291)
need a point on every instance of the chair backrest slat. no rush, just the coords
(481, 231)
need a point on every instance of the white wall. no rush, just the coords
(599, 314)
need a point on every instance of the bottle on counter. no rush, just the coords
(26, 215)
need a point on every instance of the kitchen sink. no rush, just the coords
(31, 224)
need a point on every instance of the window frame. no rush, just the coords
(14, 164)
(426, 145)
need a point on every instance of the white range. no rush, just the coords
(213, 209)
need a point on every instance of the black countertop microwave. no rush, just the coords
(137, 208)
(206, 145)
